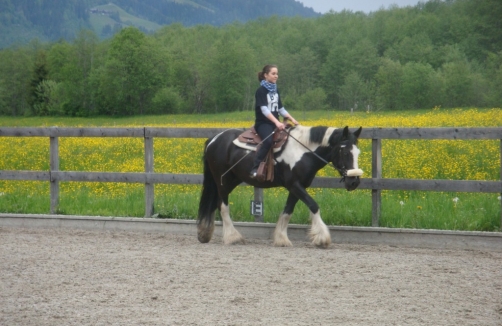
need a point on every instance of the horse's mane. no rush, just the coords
(320, 135)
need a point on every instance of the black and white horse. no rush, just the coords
(307, 150)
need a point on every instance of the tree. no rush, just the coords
(131, 75)
(71, 66)
(456, 78)
(167, 101)
(85, 56)
(360, 57)
(355, 92)
(50, 102)
(333, 72)
(299, 72)
(485, 34)
(313, 99)
(39, 74)
(417, 48)
(416, 88)
(15, 73)
(230, 72)
(494, 75)
(189, 66)
(389, 82)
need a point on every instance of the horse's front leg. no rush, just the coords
(319, 232)
(230, 233)
(281, 228)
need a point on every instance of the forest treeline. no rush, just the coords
(438, 53)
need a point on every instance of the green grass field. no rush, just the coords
(459, 160)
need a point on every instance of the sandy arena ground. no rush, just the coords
(75, 277)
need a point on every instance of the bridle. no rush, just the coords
(342, 170)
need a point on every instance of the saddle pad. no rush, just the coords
(249, 139)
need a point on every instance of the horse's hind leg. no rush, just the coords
(205, 229)
(230, 233)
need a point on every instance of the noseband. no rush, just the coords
(343, 170)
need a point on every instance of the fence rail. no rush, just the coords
(376, 183)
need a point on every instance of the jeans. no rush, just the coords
(264, 130)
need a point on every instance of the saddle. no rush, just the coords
(250, 140)
(251, 137)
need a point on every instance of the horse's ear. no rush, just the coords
(358, 132)
(345, 134)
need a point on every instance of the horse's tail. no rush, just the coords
(208, 204)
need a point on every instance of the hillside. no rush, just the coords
(107, 19)
(50, 20)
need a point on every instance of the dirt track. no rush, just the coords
(73, 277)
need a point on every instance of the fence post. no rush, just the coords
(376, 172)
(149, 187)
(258, 197)
(54, 166)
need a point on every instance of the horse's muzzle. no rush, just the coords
(352, 179)
(351, 183)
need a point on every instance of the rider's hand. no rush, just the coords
(279, 125)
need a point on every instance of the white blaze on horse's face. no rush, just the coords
(355, 156)
(354, 171)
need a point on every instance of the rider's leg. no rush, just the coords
(264, 130)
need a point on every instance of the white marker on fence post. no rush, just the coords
(257, 205)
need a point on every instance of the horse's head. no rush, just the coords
(344, 158)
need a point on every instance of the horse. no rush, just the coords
(307, 150)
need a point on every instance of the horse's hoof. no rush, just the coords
(320, 242)
(203, 238)
(282, 241)
(322, 245)
(283, 244)
(233, 238)
(204, 234)
(235, 242)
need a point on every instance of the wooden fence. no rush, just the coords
(376, 183)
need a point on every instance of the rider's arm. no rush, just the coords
(266, 112)
(285, 114)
